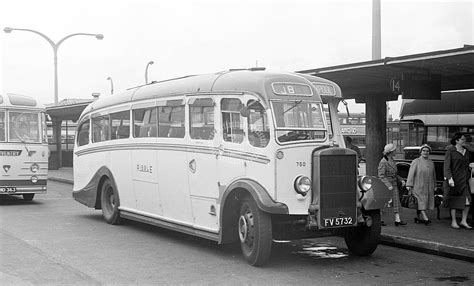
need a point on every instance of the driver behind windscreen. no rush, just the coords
(23, 132)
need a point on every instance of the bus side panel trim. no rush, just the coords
(130, 214)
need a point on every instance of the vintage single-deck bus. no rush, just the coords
(242, 155)
(23, 146)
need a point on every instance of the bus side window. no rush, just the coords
(201, 118)
(258, 130)
(120, 122)
(145, 122)
(100, 128)
(171, 118)
(83, 134)
(163, 121)
(231, 120)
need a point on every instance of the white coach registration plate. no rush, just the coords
(7, 190)
(338, 221)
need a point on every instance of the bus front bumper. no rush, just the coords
(13, 187)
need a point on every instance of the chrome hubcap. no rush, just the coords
(110, 199)
(243, 229)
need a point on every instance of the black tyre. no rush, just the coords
(363, 240)
(110, 202)
(255, 233)
(28, 197)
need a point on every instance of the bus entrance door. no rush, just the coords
(203, 188)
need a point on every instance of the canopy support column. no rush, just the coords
(375, 137)
(57, 135)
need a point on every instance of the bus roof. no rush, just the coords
(454, 108)
(19, 101)
(254, 81)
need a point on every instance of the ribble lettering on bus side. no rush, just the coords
(144, 168)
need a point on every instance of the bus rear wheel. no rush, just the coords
(28, 197)
(363, 240)
(110, 202)
(255, 233)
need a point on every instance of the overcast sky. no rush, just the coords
(191, 37)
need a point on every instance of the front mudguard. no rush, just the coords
(90, 195)
(376, 197)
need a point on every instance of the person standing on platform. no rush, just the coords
(387, 172)
(421, 181)
(456, 172)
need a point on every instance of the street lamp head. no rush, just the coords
(151, 62)
(99, 36)
(109, 78)
(7, 30)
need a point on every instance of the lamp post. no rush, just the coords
(111, 85)
(55, 47)
(146, 71)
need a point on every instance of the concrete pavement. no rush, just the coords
(437, 238)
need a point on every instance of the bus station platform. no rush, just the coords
(437, 238)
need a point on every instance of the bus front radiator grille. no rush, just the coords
(337, 185)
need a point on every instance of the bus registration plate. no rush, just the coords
(338, 221)
(7, 190)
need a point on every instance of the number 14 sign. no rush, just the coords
(395, 85)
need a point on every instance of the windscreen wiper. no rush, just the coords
(294, 105)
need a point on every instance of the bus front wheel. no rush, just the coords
(110, 202)
(255, 233)
(28, 197)
(363, 240)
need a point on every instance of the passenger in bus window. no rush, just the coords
(456, 173)
(421, 181)
(387, 172)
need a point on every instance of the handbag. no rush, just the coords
(408, 200)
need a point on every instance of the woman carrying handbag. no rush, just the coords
(387, 172)
(421, 181)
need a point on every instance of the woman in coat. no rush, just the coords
(456, 172)
(421, 181)
(387, 172)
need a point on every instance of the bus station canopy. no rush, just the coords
(68, 109)
(418, 76)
